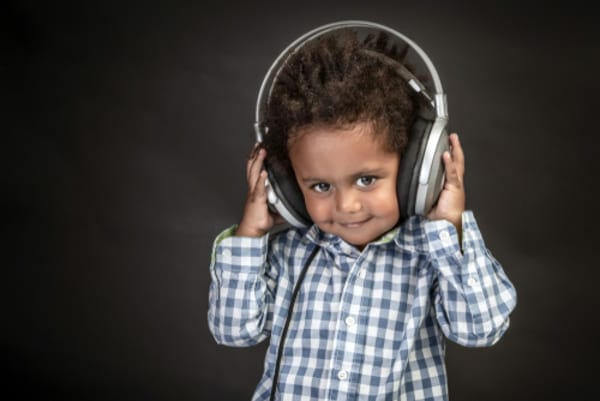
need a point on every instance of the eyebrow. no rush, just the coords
(362, 173)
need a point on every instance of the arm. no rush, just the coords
(473, 296)
(242, 290)
(243, 281)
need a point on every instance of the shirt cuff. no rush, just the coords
(228, 232)
(471, 236)
(443, 239)
(236, 253)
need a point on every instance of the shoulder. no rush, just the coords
(433, 235)
(287, 238)
(412, 234)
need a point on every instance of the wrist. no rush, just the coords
(457, 222)
(246, 231)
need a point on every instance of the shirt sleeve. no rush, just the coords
(241, 290)
(473, 297)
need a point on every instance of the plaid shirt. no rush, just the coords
(366, 325)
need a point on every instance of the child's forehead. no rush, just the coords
(366, 131)
(357, 142)
(339, 156)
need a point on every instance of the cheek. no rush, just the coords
(386, 202)
(318, 209)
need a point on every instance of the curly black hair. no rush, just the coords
(334, 81)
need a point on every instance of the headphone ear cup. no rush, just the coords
(410, 162)
(430, 192)
(419, 197)
(288, 200)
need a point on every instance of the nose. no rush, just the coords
(348, 201)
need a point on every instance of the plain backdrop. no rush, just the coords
(125, 130)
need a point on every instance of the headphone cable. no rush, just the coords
(288, 318)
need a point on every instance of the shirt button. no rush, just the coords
(350, 321)
(226, 255)
(362, 273)
(444, 235)
(342, 375)
(472, 281)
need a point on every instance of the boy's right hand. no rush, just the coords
(257, 219)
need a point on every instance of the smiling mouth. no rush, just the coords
(354, 224)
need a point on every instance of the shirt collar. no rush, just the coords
(406, 236)
(323, 239)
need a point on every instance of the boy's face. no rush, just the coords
(348, 180)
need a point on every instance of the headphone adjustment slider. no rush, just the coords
(441, 105)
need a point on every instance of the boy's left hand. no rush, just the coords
(451, 203)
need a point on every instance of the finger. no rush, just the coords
(452, 174)
(255, 166)
(251, 160)
(253, 154)
(259, 192)
(458, 156)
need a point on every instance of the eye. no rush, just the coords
(366, 180)
(321, 187)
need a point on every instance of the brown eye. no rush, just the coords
(321, 187)
(366, 180)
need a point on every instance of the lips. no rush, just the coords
(353, 224)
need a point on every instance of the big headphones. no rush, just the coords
(421, 172)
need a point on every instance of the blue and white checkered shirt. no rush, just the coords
(366, 325)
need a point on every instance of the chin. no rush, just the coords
(359, 239)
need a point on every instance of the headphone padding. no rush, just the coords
(410, 163)
(287, 190)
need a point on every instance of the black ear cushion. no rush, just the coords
(410, 160)
(283, 182)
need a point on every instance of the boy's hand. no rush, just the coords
(257, 219)
(451, 203)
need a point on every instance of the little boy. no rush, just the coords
(378, 294)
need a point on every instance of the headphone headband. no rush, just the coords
(438, 99)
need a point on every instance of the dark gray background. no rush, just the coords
(125, 131)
